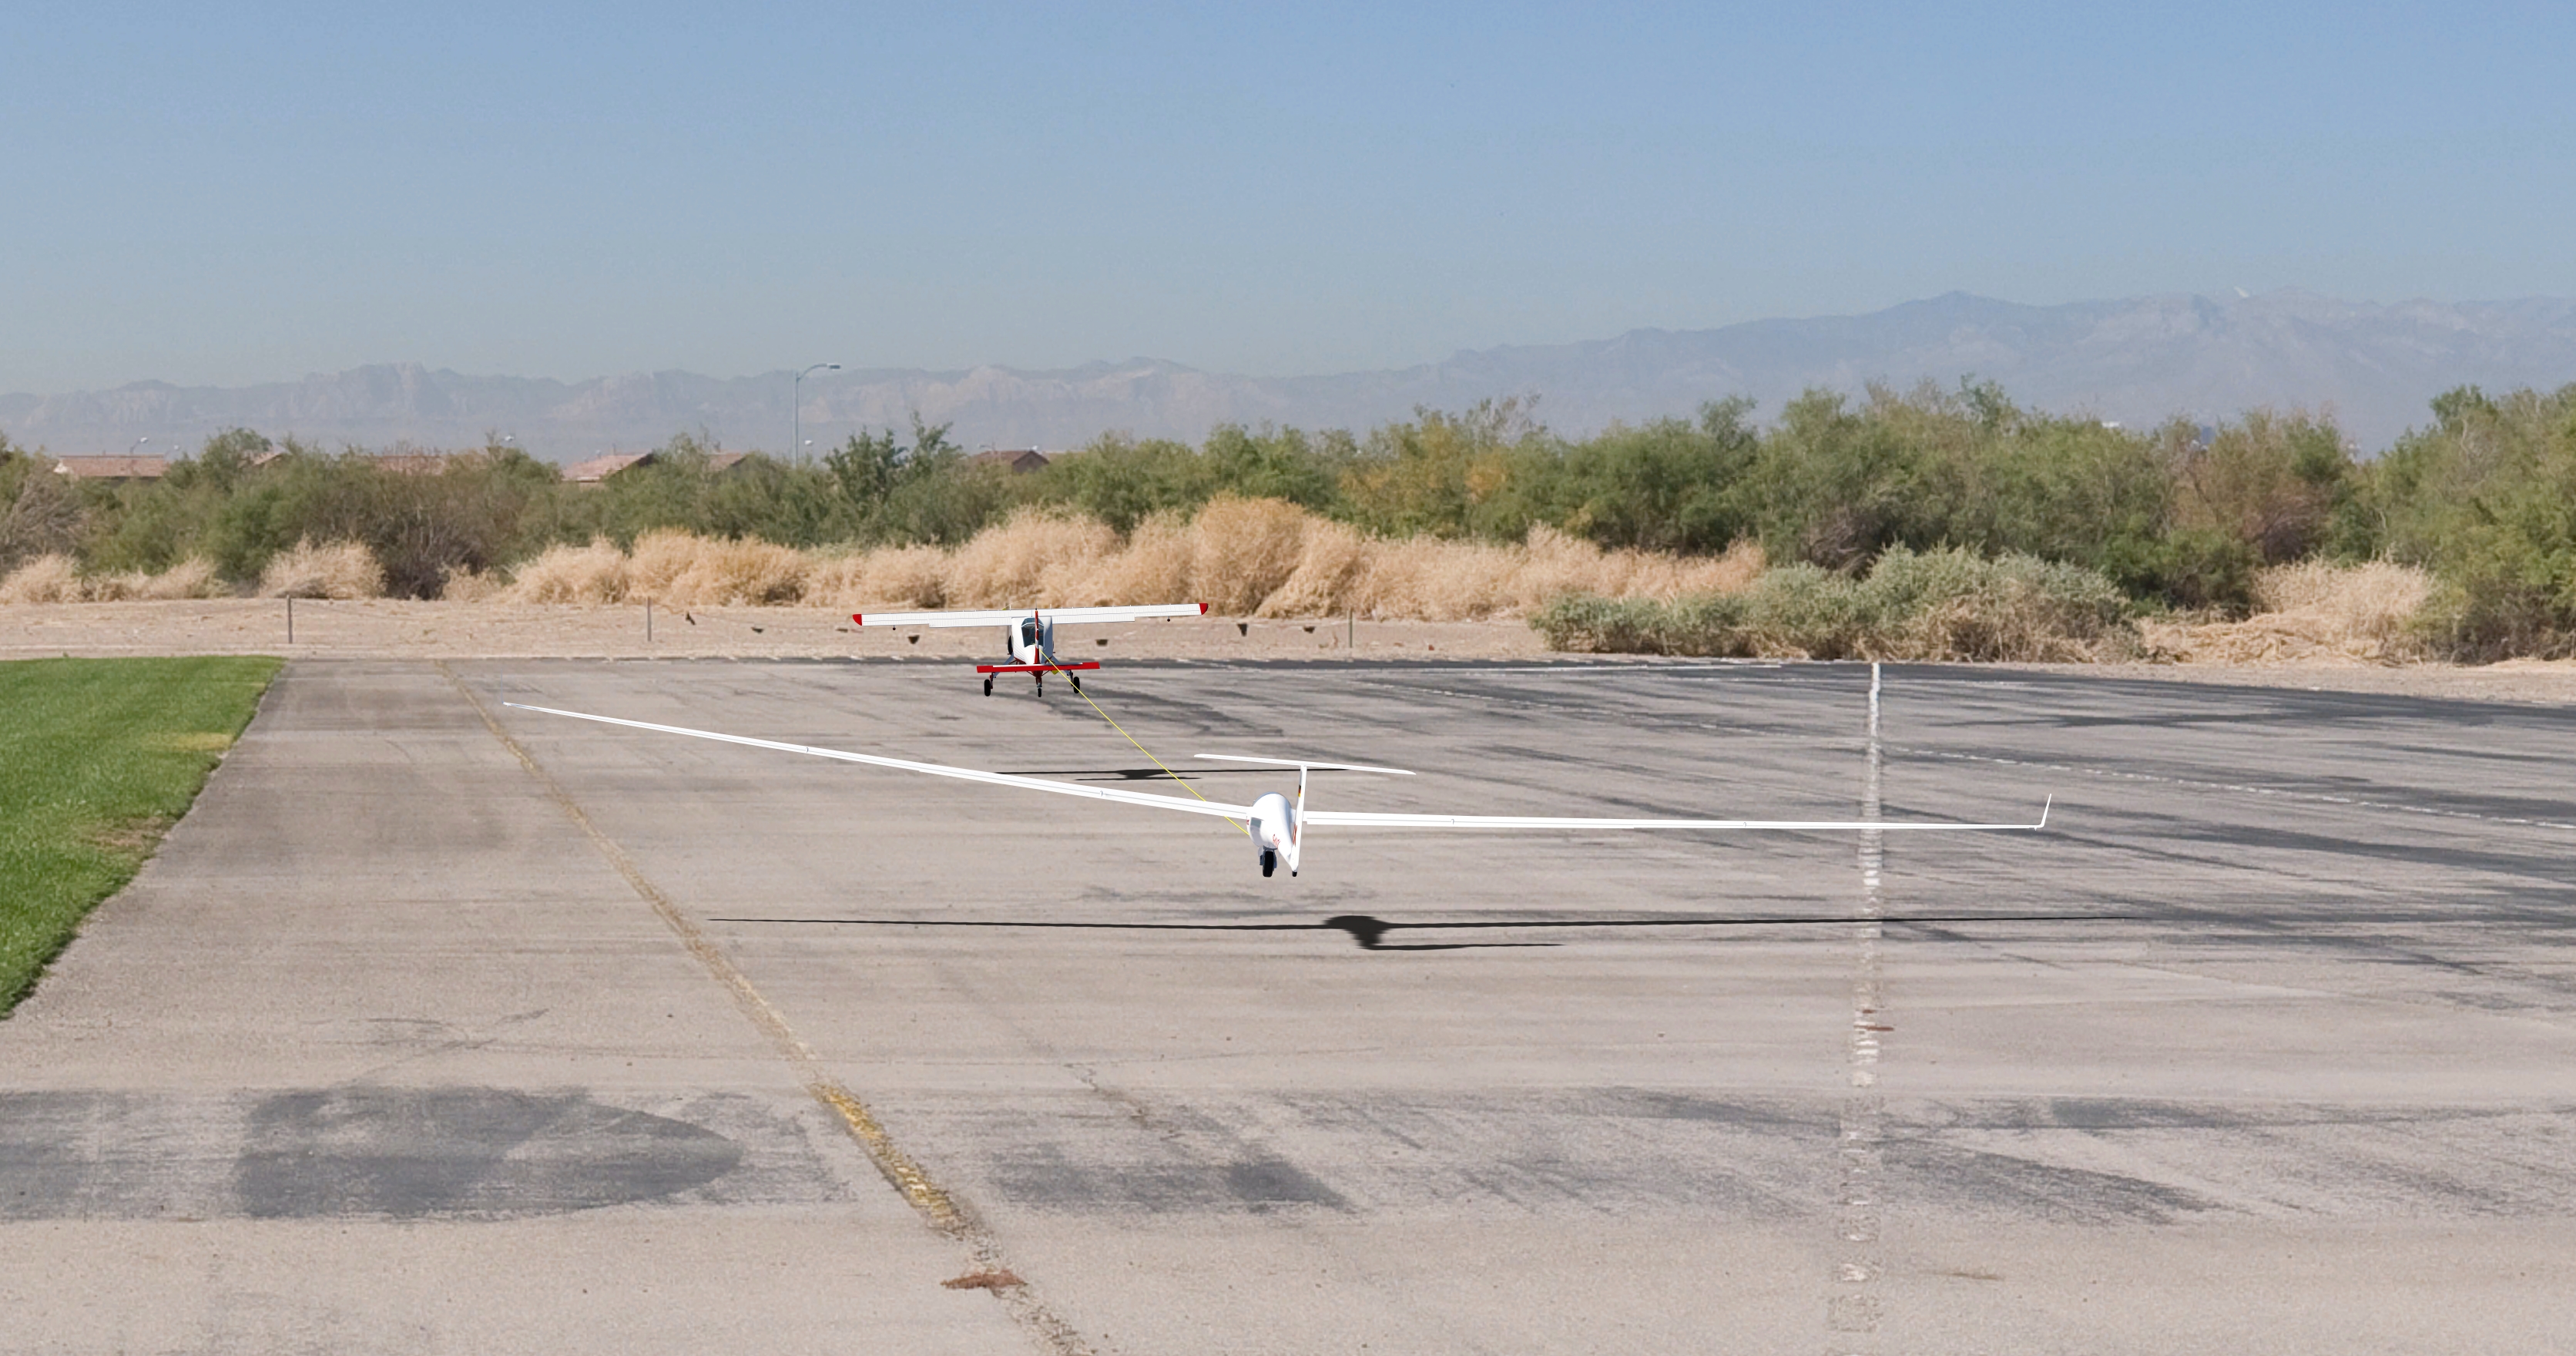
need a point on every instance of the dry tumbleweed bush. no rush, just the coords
(1242, 557)
(2312, 610)
(340, 569)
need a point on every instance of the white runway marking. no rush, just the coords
(1852, 1311)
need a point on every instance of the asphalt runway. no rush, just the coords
(424, 1033)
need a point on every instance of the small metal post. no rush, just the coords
(1351, 632)
(648, 621)
(290, 619)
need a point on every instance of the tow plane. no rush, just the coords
(1277, 824)
(1028, 633)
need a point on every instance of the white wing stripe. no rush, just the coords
(1010, 615)
(937, 618)
(934, 769)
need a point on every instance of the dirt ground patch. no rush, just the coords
(393, 629)
(402, 629)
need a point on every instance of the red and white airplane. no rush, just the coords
(1277, 825)
(1028, 633)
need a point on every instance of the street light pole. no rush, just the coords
(796, 409)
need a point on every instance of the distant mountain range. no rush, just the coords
(2138, 361)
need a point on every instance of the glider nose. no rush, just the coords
(1274, 828)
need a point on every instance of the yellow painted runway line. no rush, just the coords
(933, 1202)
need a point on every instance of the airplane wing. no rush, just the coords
(1196, 807)
(1345, 818)
(1008, 615)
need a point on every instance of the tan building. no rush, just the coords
(114, 470)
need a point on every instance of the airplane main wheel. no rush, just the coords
(1269, 861)
(988, 687)
(1077, 684)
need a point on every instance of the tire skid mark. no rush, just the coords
(2243, 788)
(939, 1209)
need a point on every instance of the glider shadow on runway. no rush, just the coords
(1371, 933)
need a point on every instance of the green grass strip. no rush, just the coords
(98, 758)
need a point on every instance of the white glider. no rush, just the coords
(1028, 633)
(1278, 825)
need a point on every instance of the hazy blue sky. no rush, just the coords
(251, 192)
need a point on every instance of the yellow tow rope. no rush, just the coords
(1149, 753)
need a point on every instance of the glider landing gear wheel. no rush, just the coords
(1077, 684)
(1269, 861)
(988, 687)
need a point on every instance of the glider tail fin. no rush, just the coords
(1297, 825)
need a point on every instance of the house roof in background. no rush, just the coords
(597, 469)
(1021, 460)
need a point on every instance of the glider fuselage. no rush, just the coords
(1274, 829)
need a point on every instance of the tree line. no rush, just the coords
(2177, 517)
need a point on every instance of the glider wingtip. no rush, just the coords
(2044, 807)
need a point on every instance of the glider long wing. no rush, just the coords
(1007, 616)
(1342, 818)
(1358, 819)
(1196, 807)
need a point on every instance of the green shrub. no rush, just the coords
(1480, 473)
(1930, 605)
(39, 514)
(2486, 499)
(1122, 482)
(1667, 486)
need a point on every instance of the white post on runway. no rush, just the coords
(1873, 717)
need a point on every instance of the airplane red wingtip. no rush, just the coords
(858, 619)
(1202, 609)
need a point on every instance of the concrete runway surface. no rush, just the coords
(423, 1034)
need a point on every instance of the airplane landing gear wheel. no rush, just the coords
(988, 686)
(1077, 684)
(1269, 861)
